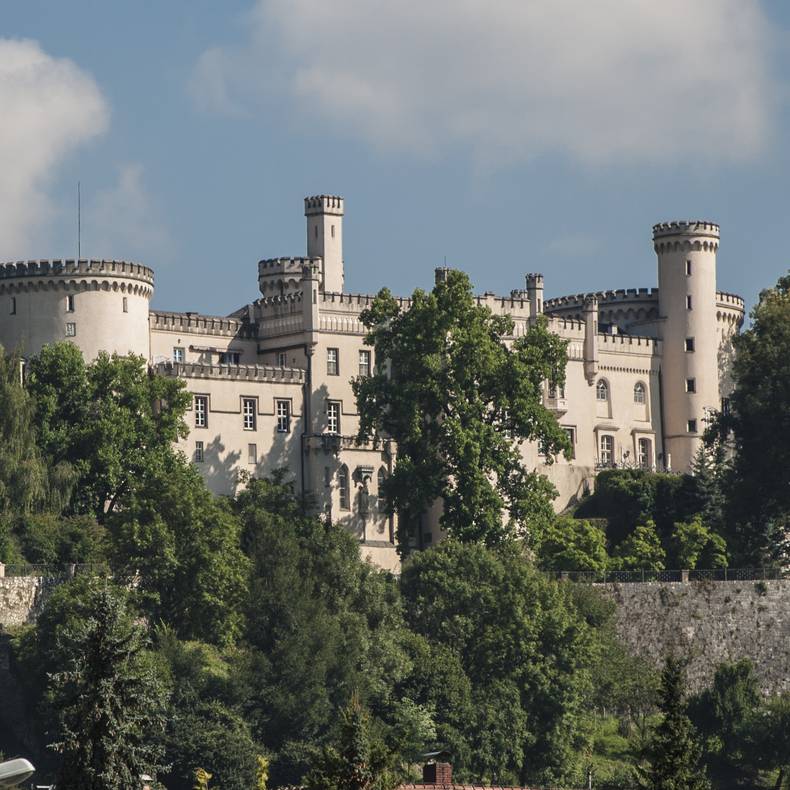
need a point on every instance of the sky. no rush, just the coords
(500, 136)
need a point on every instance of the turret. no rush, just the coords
(535, 294)
(325, 238)
(687, 325)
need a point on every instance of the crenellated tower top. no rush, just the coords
(693, 227)
(323, 204)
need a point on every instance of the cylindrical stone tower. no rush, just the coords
(688, 328)
(97, 305)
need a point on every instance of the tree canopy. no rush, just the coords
(459, 397)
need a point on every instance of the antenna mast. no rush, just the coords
(79, 222)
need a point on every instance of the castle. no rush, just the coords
(271, 383)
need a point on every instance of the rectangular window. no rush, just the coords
(725, 406)
(688, 302)
(282, 359)
(252, 453)
(342, 489)
(692, 426)
(13, 305)
(689, 344)
(125, 304)
(71, 330)
(688, 268)
(229, 357)
(333, 416)
(364, 363)
(332, 362)
(70, 303)
(572, 439)
(333, 231)
(178, 354)
(645, 453)
(327, 477)
(198, 452)
(201, 411)
(607, 450)
(691, 385)
(248, 412)
(282, 409)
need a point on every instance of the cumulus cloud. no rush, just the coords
(603, 82)
(121, 222)
(50, 107)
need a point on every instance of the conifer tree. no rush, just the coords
(109, 700)
(674, 752)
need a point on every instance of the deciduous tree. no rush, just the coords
(459, 397)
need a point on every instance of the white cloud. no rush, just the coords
(605, 82)
(122, 222)
(50, 107)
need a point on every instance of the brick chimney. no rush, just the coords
(437, 774)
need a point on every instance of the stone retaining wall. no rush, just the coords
(710, 622)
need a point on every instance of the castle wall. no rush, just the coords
(708, 622)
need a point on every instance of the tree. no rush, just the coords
(571, 544)
(722, 711)
(759, 424)
(320, 621)
(459, 399)
(108, 698)
(27, 483)
(674, 751)
(360, 760)
(641, 550)
(182, 545)
(110, 420)
(698, 547)
(206, 733)
(767, 737)
(525, 651)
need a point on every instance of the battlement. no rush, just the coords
(195, 323)
(603, 297)
(263, 373)
(72, 268)
(686, 228)
(323, 204)
(294, 266)
(731, 300)
(534, 279)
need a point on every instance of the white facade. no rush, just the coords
(271, 383)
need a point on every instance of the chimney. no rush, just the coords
(437, 774)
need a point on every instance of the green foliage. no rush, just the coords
(721, 713)
(359, 761)
(108, 698)
(571, 544)
(459, 400)
(49, 539)
(26, 484)
(758, 501)
(698, 547)
(767, 737)
(110, 421)
(674, 751)
(182, 545)
(210, 735)
(641, 550)
(320, 622)
(523, 650)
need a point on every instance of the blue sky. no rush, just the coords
(504, 136)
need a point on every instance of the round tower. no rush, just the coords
(97, 305)
(688, 328)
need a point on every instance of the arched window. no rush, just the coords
(639, 392)
(381, 500)
(602, 390)
(342, 488)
